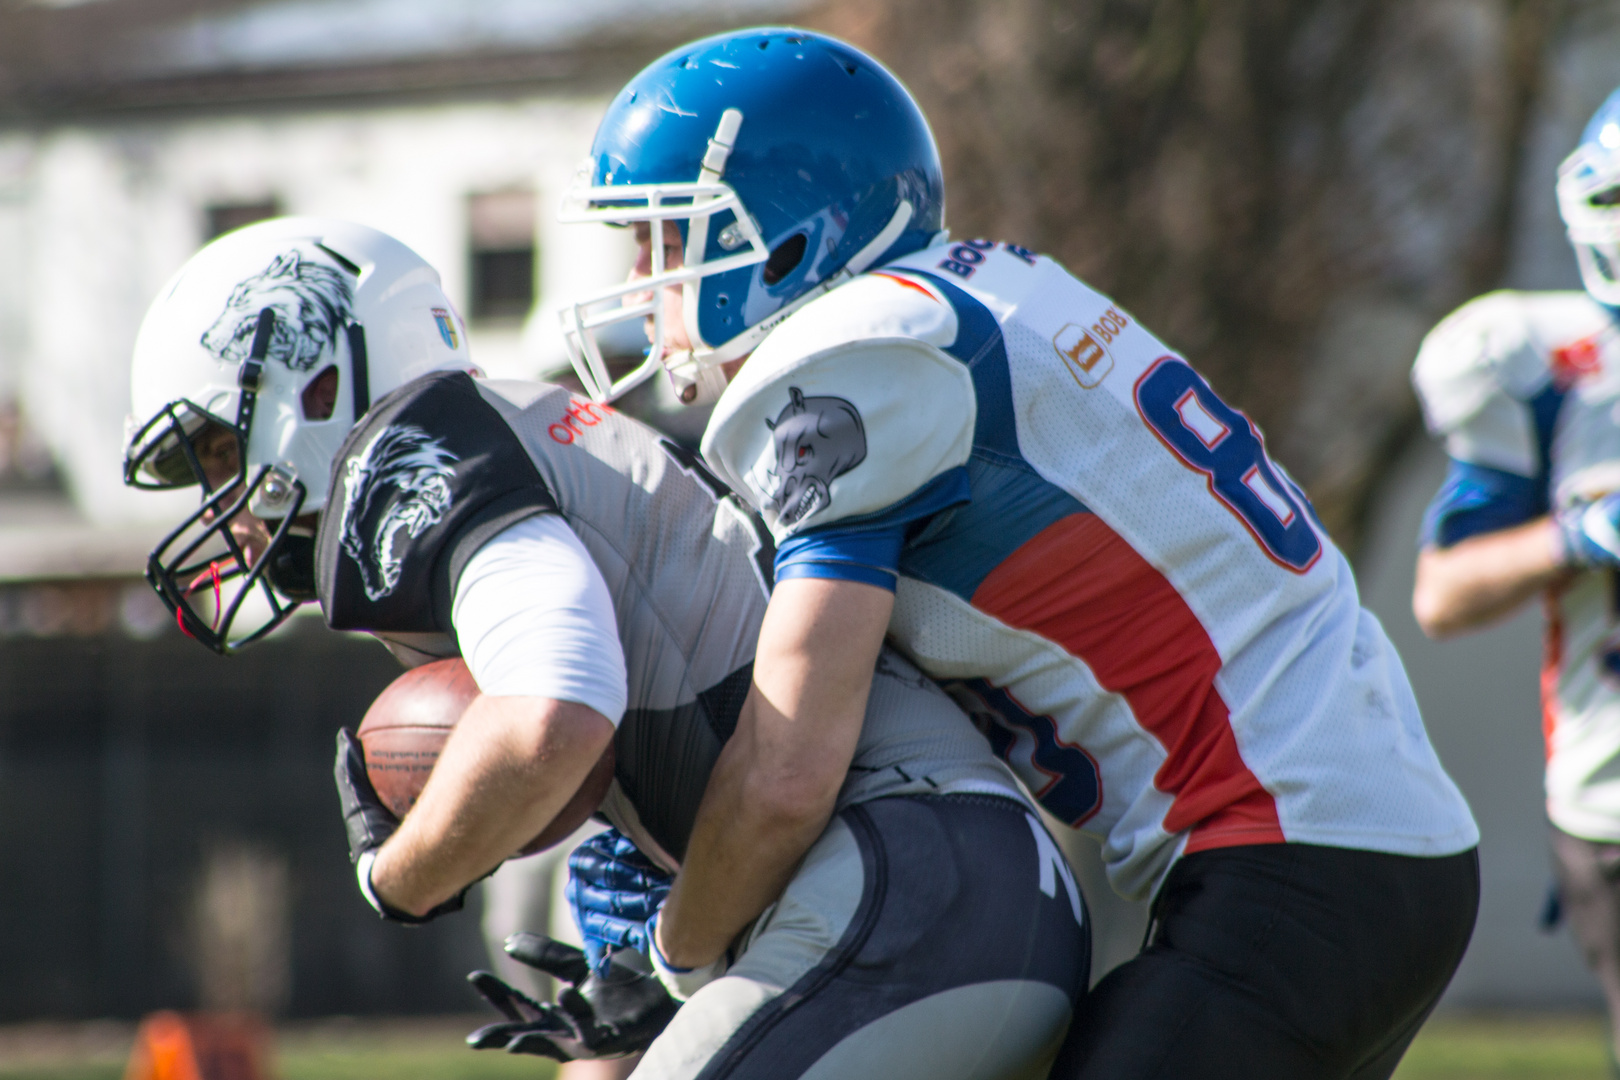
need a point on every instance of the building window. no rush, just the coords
(224, 217)
(501, 250)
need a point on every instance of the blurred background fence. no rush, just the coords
(1289, 191)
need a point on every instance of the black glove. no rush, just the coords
(597, 1016)
(369, 824)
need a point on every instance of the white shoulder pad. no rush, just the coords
(1461, 363)
(847, 407)
(1501, 344)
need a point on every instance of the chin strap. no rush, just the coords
(696, 382)
(359, 370)
(250, 376)
(714, 167)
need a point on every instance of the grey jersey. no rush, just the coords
(442, 465)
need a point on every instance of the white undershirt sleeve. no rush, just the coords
(533, 617)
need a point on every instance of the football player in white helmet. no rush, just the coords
(606, 594)
(303, 324)
(959, 445)
(1523, 388)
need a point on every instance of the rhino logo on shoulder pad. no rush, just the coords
(818, 439)
(312, 303)
(396, 490)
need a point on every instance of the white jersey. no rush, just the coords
(1096, 551)
(1524, 388)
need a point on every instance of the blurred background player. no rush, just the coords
(1037, 500)
(604, 592)
(1524, 387)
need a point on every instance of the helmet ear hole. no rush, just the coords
(788, 254)
(320, 396)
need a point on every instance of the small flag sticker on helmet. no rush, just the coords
(447, 327)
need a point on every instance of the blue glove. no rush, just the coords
(1591, 532)
(613, 890)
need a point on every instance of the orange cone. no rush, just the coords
(199, 1046)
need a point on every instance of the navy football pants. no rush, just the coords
(1280, 961)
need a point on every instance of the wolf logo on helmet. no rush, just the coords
(318, 288)
(397, 489)
(818, 439)
(312, 303)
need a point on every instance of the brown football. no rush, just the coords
(406, 727)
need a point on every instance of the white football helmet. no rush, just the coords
(1589, 200)
(238, 340)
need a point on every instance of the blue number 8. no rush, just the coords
(1072, 792)
(1215, 439)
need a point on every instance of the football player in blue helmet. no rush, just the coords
(831, 171)
(1589, 200)
(961, 448)
(1521, 386)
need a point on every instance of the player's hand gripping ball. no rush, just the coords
(382, 770)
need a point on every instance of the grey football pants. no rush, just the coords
(923, 938)
(1589, 885)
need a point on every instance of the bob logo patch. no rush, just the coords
(1084, 349)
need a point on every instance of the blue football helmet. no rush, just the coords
(1589, 200)
(790, 162)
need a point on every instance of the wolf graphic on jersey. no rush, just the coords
(817, 440)
(1112, 567)
(312, 303)
(396, 490)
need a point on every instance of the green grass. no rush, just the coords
(427, 1049)
(424, 1050)
(1506, 1047)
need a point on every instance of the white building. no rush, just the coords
(132, 131)
(454, 127)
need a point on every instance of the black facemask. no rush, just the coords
(200, 569)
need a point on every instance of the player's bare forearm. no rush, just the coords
(508, 767)
(1477, 581)
(775, 784)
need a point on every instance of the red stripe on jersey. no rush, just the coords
(1079, 584)
(1552, 660)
